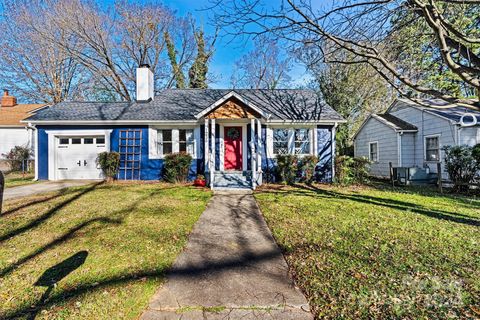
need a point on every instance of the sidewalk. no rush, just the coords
(41, 187)
(230, 269)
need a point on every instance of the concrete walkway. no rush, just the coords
(41, 187)
(230, 269)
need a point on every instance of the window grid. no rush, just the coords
(432, 149)
(373, 152)
(302, 141)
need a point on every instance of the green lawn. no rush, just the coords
(92, 252)
(365, 252)
(14, 179)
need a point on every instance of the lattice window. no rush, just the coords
(280, 141)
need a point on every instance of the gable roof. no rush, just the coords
(394, 122)
(389, 120)
(187, 104)
(11, 116)
(439, 108)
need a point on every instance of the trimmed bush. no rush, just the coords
(177, 166)
(18, 158)
(287, 168)
(110, 163)
(350, 170)
(462, 164)
(306, 166)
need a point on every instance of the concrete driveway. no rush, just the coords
(231, 269)
(41, 187)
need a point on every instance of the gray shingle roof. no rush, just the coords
(184, 104)
(453, 113)
(397, 123)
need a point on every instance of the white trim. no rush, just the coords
(291, 138)
(225, 98)
(269, 142)
(103, 122)
(370, 143)
(36, 154)
(153, 140)
(206, 150)
(253, 153)
(437, 135)
(175, 141)
(259, 145)
(53, 134)
(212, 152)
(306, 122)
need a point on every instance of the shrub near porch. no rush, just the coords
(130, 232)
(364, 252)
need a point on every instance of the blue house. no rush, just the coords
(233, 136)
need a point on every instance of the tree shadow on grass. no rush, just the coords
(37, 221)
(246, 258)
(305, 190)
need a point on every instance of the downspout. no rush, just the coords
(399, 148)
(334, 130)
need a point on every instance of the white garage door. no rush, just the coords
(75, 157)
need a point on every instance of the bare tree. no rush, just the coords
(263, 67)
(363, 28)
(33, 67)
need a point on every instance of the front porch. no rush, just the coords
(233, 152)
(233, 143)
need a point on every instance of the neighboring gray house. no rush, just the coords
(412, 135)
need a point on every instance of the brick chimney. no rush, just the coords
(7, 100)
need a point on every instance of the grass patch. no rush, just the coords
(14, 179)
(92, 252)
(374, 252)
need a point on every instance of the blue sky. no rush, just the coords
(227, 50)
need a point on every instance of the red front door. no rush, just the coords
(233, 148)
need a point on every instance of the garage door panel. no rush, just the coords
(76, 157)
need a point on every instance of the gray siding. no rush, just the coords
(469, 136)
(408, 149)
(386, 137)
(427, 125)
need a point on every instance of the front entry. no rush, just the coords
(233, 148)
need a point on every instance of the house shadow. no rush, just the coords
(306, 190)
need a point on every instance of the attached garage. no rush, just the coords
(74, 154)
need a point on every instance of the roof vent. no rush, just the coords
(145, 89)
(7, 100)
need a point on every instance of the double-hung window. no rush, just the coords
(186, 142)
(175, 140)
(302, 141)
(165, 142)
(373, 152)
(432, 149)
(280, 141)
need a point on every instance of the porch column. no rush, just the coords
(212, 154)
(253, 154)
(206, 153)
(259, 145)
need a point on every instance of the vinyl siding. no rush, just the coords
(427, 125)
(469, 136)
(11, 137)
(386, 137)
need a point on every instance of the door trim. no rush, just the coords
(245, 143)
(52, 143)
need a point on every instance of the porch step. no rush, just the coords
(232, 180)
